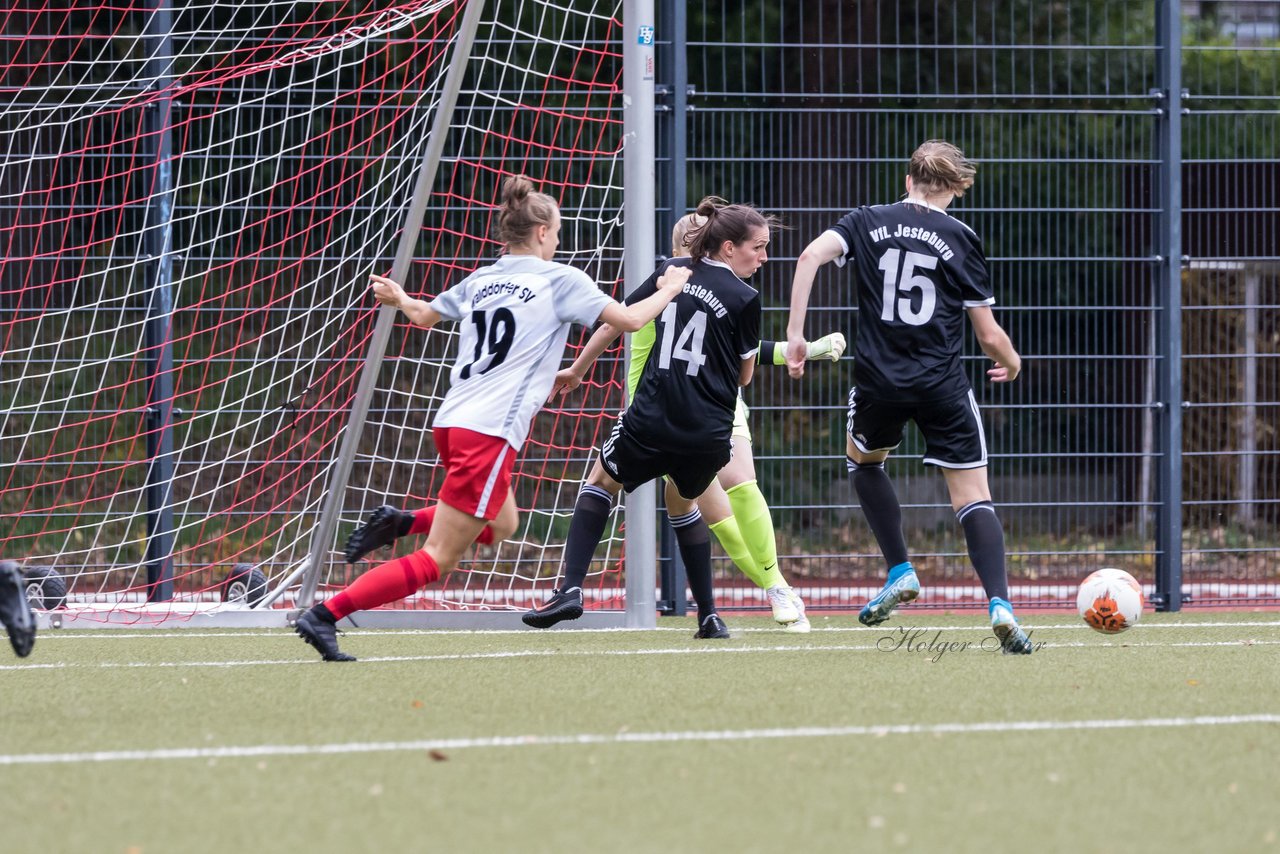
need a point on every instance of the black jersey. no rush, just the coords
(687, 393)
(917, 269)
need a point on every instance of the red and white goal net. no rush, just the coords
(194, 197)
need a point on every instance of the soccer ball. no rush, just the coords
(1110, 601)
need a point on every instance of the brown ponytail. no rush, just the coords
(523, 209)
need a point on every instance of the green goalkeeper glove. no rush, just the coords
(827, 347)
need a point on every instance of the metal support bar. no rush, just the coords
(1168, 302)
(674, 186)
(157, 247)
(638, 204)
(675, 601)
(285, 583)
(341, 472)
(1247, 476)
(675, 119)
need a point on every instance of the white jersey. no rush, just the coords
(515, 317)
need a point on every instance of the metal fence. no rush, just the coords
(1142, 433)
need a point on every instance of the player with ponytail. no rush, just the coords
(515, 316)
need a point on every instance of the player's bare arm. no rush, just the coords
(571, 377)
(746, 372)
(824, 248)
(388, 292)
(629, 318)
(995, 342)
(619, 318)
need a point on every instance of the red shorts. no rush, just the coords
(477, 470)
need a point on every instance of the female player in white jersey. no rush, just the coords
(679, 421)
(918, 272)
(515, 317)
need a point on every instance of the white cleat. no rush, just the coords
(783, 604)
(800, 626)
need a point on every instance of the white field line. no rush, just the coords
(174, 634)
(583, 739)
(895, 644)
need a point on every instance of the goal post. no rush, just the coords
(322, 536)
(300, 158)
(640, 238)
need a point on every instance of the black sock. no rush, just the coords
(319, 611)
(880, 506)
(985, 537)
(694, 539)
(590, 515)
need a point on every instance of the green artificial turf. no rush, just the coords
(649, 741)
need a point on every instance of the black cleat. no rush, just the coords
(563, 605)
(15, 610)
(322, 635)
(712, 627)
(383, 527)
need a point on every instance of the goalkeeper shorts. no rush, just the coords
(741, 429)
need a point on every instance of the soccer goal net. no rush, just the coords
(195, 195)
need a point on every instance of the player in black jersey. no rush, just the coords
(680, 421)
(918, 271)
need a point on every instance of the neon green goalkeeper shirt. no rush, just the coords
(641, 343)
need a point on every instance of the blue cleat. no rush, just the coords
(902, 586)
(1013, 640)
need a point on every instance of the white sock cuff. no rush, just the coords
(597, 491)
(977, 505)
(687, 519)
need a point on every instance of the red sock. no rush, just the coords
(385, 583)
(424, 519)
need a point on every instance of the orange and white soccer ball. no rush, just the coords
(1110, 600)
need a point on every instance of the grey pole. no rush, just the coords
(1246, 511)
(639, 202)
(158, 247)
(1168, 291)
(672, 599)
(341, 471)
(680, 92)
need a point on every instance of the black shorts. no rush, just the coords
(952, 429)
(632, 462)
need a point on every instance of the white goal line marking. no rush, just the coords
(584, 739)
(144, 634)
(919, 647)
